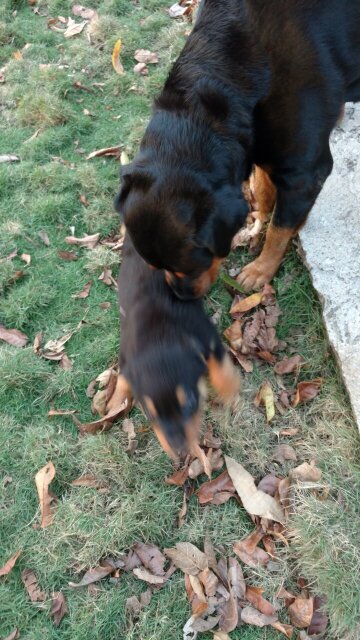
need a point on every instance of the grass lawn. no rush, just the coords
(42, 120)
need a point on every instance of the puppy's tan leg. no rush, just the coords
(224, 377)
(264, 191)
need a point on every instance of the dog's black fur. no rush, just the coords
(167, 346)
(258, 82)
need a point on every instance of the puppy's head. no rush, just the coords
(169, 387)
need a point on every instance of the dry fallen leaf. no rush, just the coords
(255, 501)
(88, 480)
(306, 391)
(143, 55)
(84, 12)
(9, 157)
(209, 490)
(104, 423)
(187, 557)
(58, 607)
(42, 480)
(236, 578)
(305, 472)
(106, 277)
(151, 557)
(249, 552)
(221, 635)
(249, 615)
(106, 151)
(183, 511)
(93, 575)
(141, 69)
(180, 476)
(288, 365)
(115, 58)
(147, 576)
(283, 452)
(246, 304)
(209, 581)
(129, 429)
(44, 237)
(68, 255)
(8, 566)
(176, 10)
(301, 612)
(14, 635)
(85, 292)
(26, 257)
(89, 242)
(255, 597)
(286, 629)
(265, 397)
(31, 585)
(229, 615)
(269, 484)
(73, 28)
(320, 620)
(13, 336)
(61, 412)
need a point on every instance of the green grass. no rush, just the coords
(41, 193)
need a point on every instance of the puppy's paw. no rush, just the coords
(256, 274)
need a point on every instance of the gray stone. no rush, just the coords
(331, 246)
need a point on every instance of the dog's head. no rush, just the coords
(182, 201)
(169, 386)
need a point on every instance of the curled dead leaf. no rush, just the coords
(320, 619)
(89, 242)
(147, 576)
(9, 565)
(305, 472)
(306, 391)
(286, 629)
(13, 336)
(143, 55)
(265, 397)
(31, 585)
(249, 552)
(187, 557)
(301, 612)
(288, 365)
(269, 484)
(43, 479)
(246, 304)
(85, 292)
(249, 615)
(104, 423)
(209, 490)
(106, 151)
(255, 597)
(255, 501)
(88, 480)
(283, 452)
(58, 607)
(93, 575)
(115, 58)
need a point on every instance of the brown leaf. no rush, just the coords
(246, 364)
(13, 336)
(14, 635)
(106, 277)
(176, 10)
(151, 557)
(201, 626)
(255, 501)
(306, 391)
(87, 241)
(288, 365)
(9, 564)
(187, 557)
(42, 480)
(143, 55)
(236, 579)
(84, 12)
(105, 305)
(88, 480)
(147, 576)
(214, 462)
(249, 552)
(289, 432)
(207, 492)
(305, 472)
(180, 476)
(73, 28)
(265, 397)
(301, 612)
(283, 452)
(229, 614)
(286, 629)
(182, 512)
(246, 304)
(115, 58)
(269, 484)
(255, 597)
(221, 635)
(133, 606)
(65, 362)
(141, 69)
(320, 620)
(85, 292)
(31, 585)
(68, 255)
(197, 588)
(249, 615)
(210, 552)
(44, 237)
(129, 429)
(106, 151)
(58, 607)
(61, 412)
(209, 580)
(37, 343)
(93, 575)
(104, 423)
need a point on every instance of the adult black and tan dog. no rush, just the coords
(167, 347)
(258, 82)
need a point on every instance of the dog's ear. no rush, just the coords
(213, 99)
(228, 216)
(132, 175)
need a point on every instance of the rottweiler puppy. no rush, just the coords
(167, 348)
(258, 82)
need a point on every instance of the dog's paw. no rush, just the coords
(255, 275)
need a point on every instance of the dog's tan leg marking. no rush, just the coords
(264, 191)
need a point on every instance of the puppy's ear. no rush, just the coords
(132, 176)
(228, 216)
(213, 99)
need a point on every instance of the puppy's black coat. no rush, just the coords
(167, 346)
(258, 82)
